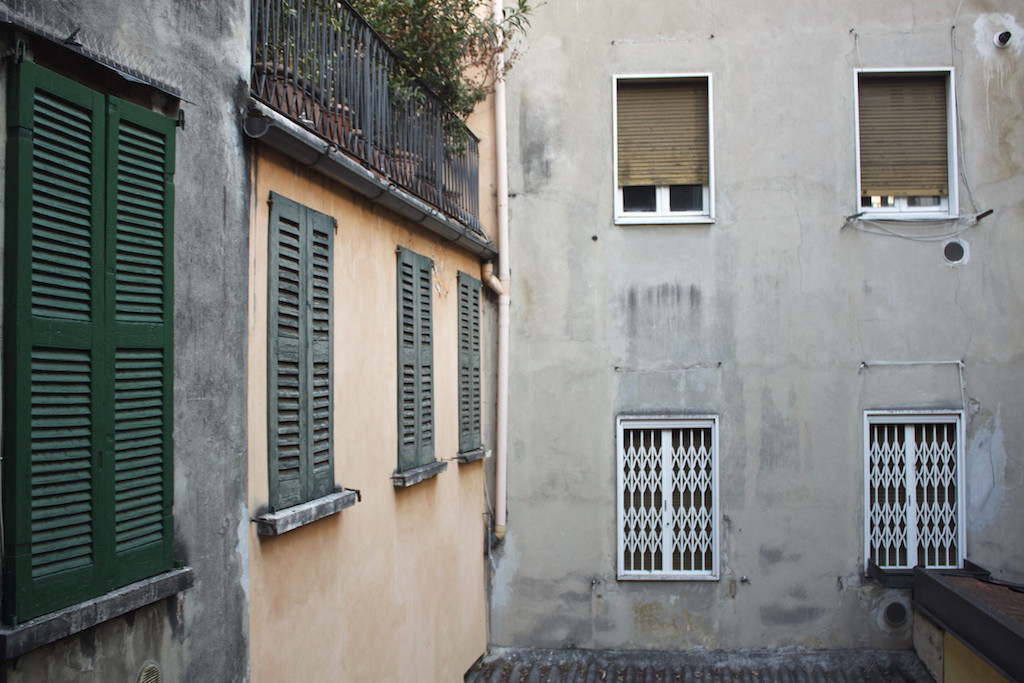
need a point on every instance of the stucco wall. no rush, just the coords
(392, 588)
(763, 317)
(199, 49)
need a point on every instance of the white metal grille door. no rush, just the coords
(914, 491)
(667, 485)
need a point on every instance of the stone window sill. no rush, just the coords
(49, 628)
(283, 521)
(471, 456)
(415, 475)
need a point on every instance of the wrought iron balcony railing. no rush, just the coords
(320, 64)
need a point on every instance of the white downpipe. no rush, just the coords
(501, 182)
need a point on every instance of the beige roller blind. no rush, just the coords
(903, 148)
(663, 132)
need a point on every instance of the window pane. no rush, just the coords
(686, 198)
(639, 198)
(877, 202)
(924, 201)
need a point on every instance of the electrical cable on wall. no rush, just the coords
(960, 365)
(888, 227)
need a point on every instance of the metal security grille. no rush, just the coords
(913, 491)
(667, 498)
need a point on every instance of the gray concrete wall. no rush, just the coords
(762, 318)
(201, 49)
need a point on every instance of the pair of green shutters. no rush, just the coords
(300, 372)
(300, 369)
(415, 361)
(87, 444)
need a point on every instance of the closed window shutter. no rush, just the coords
(415, 361)
(662, 129)
(469, 363)
(300, 379)
(903, 135)
(88, 457)
(140, 169)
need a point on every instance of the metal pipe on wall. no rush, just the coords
(501, 184)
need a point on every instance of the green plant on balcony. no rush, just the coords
(451, 45)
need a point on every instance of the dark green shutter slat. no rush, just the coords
(62, 480)
(139, 447)
(140, 216)
(62, 200)
(300, 449)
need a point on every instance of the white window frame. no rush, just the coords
(667, 423)
(949, 205)
(905, 417)
(662, 215)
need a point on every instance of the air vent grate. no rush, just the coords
(150, 674)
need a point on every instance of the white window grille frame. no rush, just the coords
(662, 215)
(665, 538)
(912, 511)
(902, 210)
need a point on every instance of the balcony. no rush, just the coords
(318, 63)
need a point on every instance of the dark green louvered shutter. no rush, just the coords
(300, 380)
(139, 245)
(469, 363)
(415, 361)
(87, 398)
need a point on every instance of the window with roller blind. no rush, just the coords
(906, 144)
(88, 348)
(663, 149)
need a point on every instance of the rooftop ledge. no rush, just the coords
(49, 628)
(278, 131)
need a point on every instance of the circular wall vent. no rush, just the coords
(150, 674)
(896, 613)
(956, 251)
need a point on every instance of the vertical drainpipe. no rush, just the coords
(501, 183)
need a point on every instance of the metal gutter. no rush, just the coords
(281, 133)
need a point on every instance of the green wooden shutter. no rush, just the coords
(86, 446)
(300, 372)
(469, 363)
(140, 246)
(415, 361)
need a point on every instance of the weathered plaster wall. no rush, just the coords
(763, 317)
(201, 49)
(392, 588)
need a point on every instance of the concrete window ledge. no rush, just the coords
(49, 628)
(417, 474)
(471, 456)
(282, 521)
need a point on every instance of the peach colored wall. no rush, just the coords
(392, 588)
